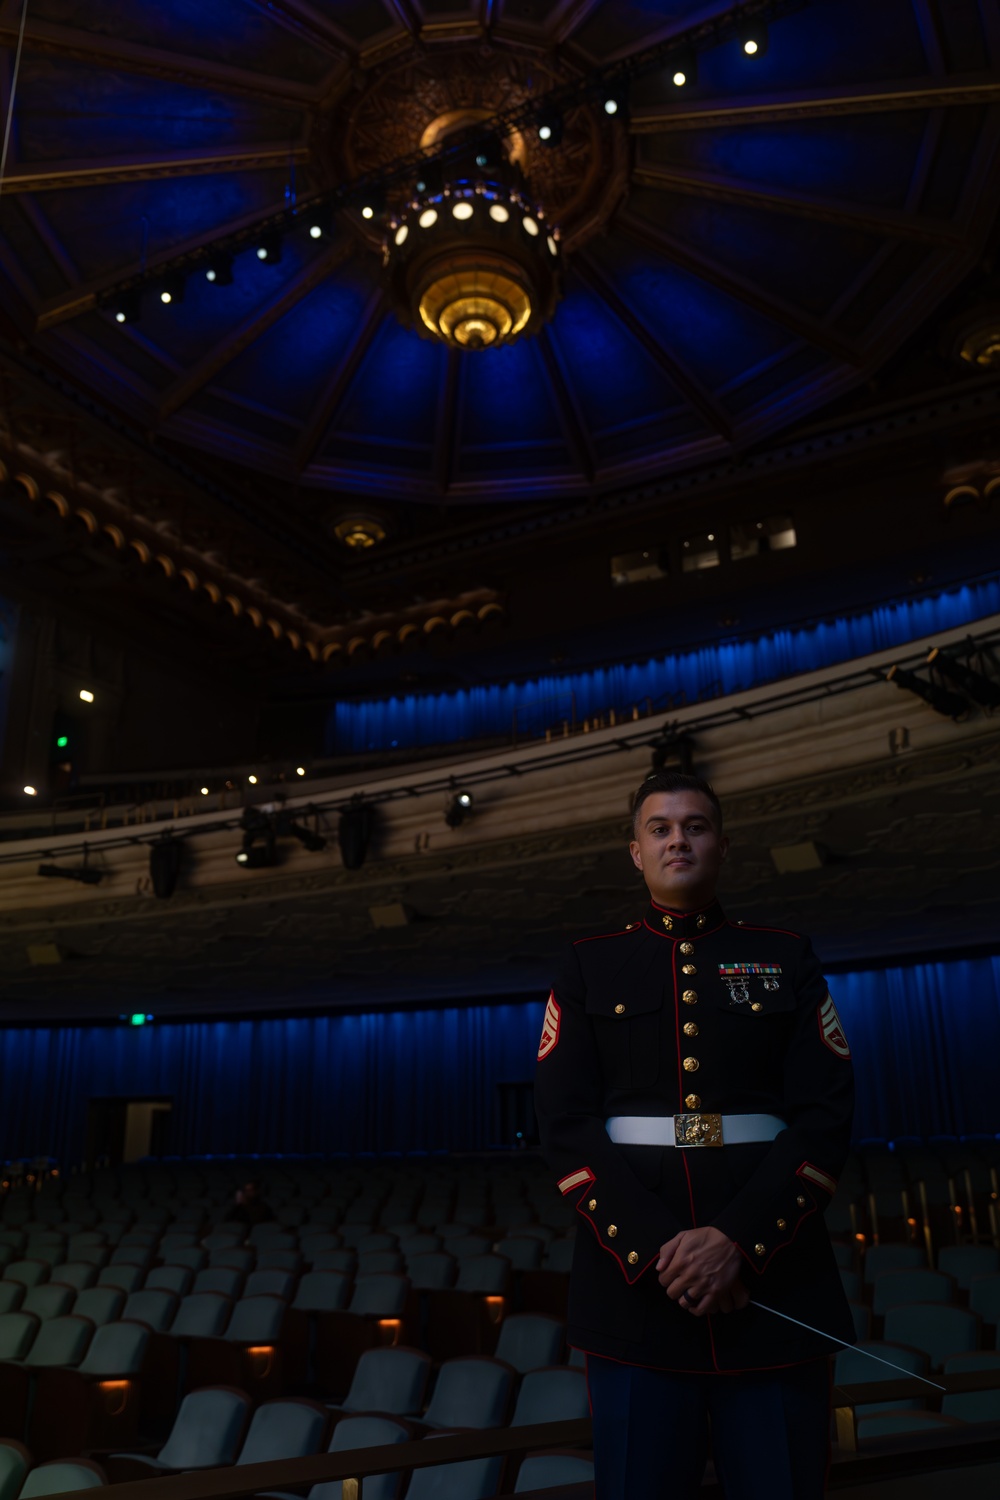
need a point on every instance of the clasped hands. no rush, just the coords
(700, 1269)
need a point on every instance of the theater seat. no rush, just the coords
(523, 1253)
(153, 1307)
(126, 1278)
(965, 1261)
(896, 1288)
(60, 1477)
(288, 1261)
(269, 1284)
(379, 1296)
(341, 1261)
(433, 1271)
(879, 1258)
(853, 1367)
(15, 1461)
(77, 1274)
(60, 1341)
(393, 1381)
(12, 1295)
(559, 1256)
(27, 1272)
(984, 1299)
(95, 1405)
(973, 1406)
(488, 1274)
(364, 1432)
(101, 1304)
(207, 1433)
(899, 1423)
(546, 1471)
(530, 1341)
(322, 1291)
(554, 1395)
(475, 1479)
(284, 1429)
(176, 1279)
(937, 1329)
(471, 1392)
(202, 1315)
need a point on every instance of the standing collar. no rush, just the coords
(683, 926)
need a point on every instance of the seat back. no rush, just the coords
(475, 1479)
(984, 1298)
(17, 1333)
(470, 1392)
(432, 1272)
(257, 1320)
(202, 1315)
(342, 1261)
(49, 1300)
(283, 1429)
(116, 1350)
(15, 1460)
(965, 1261)
(390, 1380)
(12, 1295)
(419, 1244)
(222, 1279)
(237, 1259)
(468, 1244)
(289, 1261)
(895, 1288)
(544, 1471)
(77, 1274)
(62, 1476)
(934, 1327)
(60, 1341)
(488, 1274)
(881, 1258)
(176, 1279)
(530, 1341)
(153, 1307)
(193, 1259)
(100, 1304)
(127, 1278)
(553, 1395)
(269, 1284)
(27, 1272)
(379, 1262)
(208, 1429)
(523, 1252)
(364, 1432)
(323, 1291)
(379, 1296)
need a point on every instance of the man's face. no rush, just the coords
(249, 1191)
(679, 849)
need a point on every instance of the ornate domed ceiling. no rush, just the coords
(737, 252)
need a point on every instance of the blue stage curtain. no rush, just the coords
(688, 677)
(925, 1037)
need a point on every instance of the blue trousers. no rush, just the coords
(770, 1431)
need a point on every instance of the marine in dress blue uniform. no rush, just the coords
(693, 1072)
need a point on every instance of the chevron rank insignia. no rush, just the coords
(831, 1030)
(550, 1028)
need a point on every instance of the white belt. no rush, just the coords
(697, 1128)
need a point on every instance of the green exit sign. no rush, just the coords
(62, 741)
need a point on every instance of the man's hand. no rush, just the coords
(700, 1269)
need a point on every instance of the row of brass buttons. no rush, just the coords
(633, 1255)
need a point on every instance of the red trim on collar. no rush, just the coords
(598, 935)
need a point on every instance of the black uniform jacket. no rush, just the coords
(691, 1012)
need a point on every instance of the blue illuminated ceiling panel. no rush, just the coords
(771, 234)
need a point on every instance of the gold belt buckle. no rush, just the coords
(698, 1129)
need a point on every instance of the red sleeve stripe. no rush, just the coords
(814, 1174)
(575, 1179)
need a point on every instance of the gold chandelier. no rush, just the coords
(472, 260)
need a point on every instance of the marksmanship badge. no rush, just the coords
(737, 979)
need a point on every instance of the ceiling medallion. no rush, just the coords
(471, 258)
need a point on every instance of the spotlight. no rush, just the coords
(165, 858)
(354, 831)
(670, 746)
(615, 102)
(173, 288)
(753, 39)
(949, 705)
(300, 770)
(31, 791)
(981, 689)
(128, 308)
(269, 249)
(252, 780)
(458, 809)
(86, 696)
(220, 269)
(84, 873)
(683, 69)
(372, 203)
(550, 129)
(307, 837)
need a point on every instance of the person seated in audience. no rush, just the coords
(249, 1207)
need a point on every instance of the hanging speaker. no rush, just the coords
(165, 866)
(357, 822)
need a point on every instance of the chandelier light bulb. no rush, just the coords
(750, 47)
(462, 210)
(499, 213)
(530, 226)
(401, 233)
(261, 253)
(210, 274)
(428, 218)
(368, 212)
(680, 78)
(315, 232)
(611, 105)
(545, 132)
(119, 317)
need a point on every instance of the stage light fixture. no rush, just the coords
(615, 102)
(753, 39)
(980, 688)
(683, 69)
(220, 269)
(372, 203)
(354, 832)
(257, 851)
(31, 791)
(269, 249)
(128, 308)
(458, 809)
(86, 696)
(173, 288)
(550, 129)
(669, 747)
(300, 770)
(84, 873)
(950, 705)
(252, 780)
(307, 837)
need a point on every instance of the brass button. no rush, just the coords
(688, 969)
(633, 1257)
(592, 1204)
(700, 922)
(687, 948)
(691, 1065)
(630, 926)
(690, 1029)
(619, 1009)
(782, 1224)
(760, 1249)
(740, 922)
(690, 997)
(612, 1231)
(801, 1201)
(668, 923)
(756, 1005)
(692, 1101)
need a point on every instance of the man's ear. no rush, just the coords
(724, 847)
(633, 849)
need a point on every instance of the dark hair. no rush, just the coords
(674, 781)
